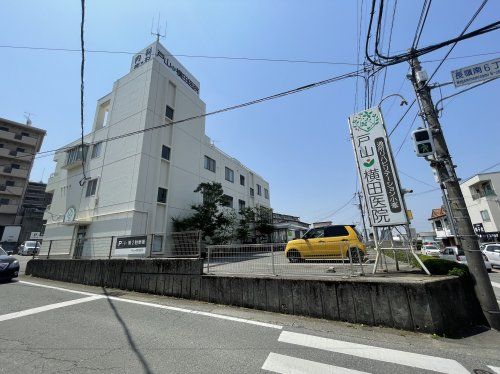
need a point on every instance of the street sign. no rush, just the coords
(476, 73)
(377, 169)
(35, 235)
(131, 245)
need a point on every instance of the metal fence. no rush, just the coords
(270, 259)
(182, 244)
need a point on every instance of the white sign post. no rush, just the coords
(376, 169)
(476, 73)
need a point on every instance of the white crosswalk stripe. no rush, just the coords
(496, 369)
(432, 363)
(282, 364)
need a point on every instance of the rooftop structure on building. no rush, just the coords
(288, 227)
(138, 183)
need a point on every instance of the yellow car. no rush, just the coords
(329, 242)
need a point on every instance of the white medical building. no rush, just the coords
(138, 183)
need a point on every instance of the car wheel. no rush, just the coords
(293, 256)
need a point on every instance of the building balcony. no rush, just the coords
(18, 138)
(444, 233)
(10, 190)
(18, 173)
(7, 153)
(8, 209)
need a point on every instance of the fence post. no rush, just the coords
(50, 247)
(110, 247)
(272, 259)
(360, 262)
(209, 249)
(350, 259)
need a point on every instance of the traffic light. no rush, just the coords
(424, 144)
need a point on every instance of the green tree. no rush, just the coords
(246, 225)
(264, 223)
(214, 222)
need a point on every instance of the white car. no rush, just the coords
(430, 250)
(29, 248)
(455, 254)
(492, 252)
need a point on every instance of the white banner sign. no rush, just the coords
(476, 73)
(158, 52)
(376, 169)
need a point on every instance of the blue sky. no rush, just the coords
(299, 143)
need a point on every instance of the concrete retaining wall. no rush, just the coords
(441, 305)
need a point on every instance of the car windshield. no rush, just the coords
(30, 244)
(460, 252)
(2, 252)
(430, 247)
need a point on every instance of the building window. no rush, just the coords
(10, 183)
(4, 201)
(227, 201)
(251, 192)
(169, 112)
(91, 188)
(15, 166)
(439, 225)
(19, 149)
(266, 193)
(241, 205)
(3, 128)
(1, 145)
(96, 150)
(485, 215)
(229, 175)
(259, 190)
(242, 180)
(209, 164)
(165, 152)
(162, 195)
(25, 134)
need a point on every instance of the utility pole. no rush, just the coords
(442, 163)
(365, 233)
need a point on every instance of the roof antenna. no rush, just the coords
(28, 115)
(157, 33)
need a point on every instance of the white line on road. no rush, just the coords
(57, 288)
(496, 369)
(441, 365)
(290, 365)
(494, 284)
(160, 306)
(45, 308)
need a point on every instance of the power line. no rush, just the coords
(389, 45)
(226, 109)
(421, 23)
(416, 179)
(82, 74)
(104, 51)
(407, 133)
(402, 117)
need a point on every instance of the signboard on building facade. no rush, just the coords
(131, 245)
(476, 73)
(159, 53)
(376, 169)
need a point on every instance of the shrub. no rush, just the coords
(438, 266)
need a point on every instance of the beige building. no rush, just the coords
(18, 145)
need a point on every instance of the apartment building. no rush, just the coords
(36, 201)
(141, 166)
(18, 145)
(442, 227)
(483, 204)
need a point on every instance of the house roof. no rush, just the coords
(437, 213)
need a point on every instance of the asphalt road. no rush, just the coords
(48, 327)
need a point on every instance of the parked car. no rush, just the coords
(29, 248)
(329, 242)
(9, 266)
(492, 252)
(456, 254)
(430, 250)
